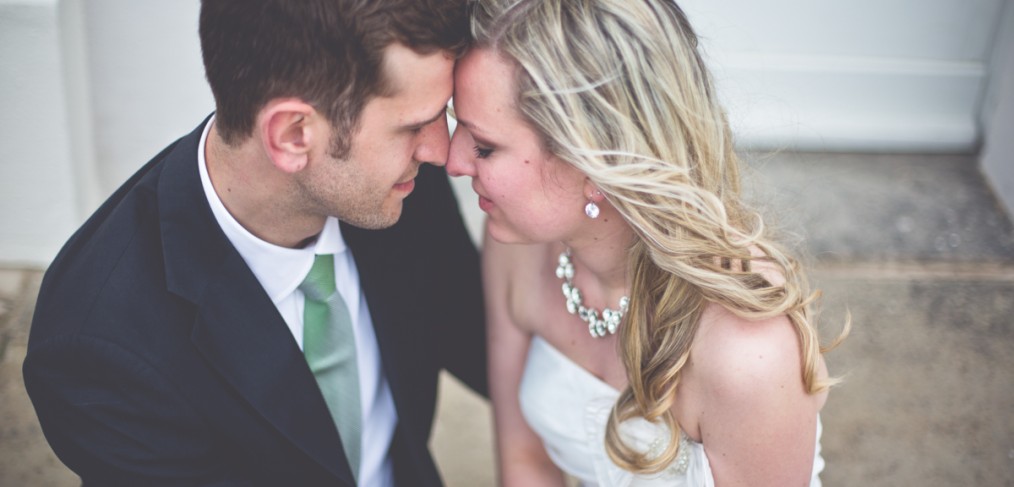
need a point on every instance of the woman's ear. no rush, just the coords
(591, 192)
(288, 133)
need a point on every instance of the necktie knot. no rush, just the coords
(319, 282)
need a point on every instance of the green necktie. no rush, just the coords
(330, 349)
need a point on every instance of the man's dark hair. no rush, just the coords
(327, 53)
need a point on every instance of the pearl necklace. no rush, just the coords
(598, 327)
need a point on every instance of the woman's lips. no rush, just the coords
(485, 204)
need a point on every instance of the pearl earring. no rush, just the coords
(592, 210)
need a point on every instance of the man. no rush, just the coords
(270, 299)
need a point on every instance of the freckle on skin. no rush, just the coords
(527, 161)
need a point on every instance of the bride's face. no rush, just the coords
(530, 195)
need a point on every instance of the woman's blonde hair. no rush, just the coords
(618, 89)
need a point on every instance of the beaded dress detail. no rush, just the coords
(568, 408)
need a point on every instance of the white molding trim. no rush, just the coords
(997, 156)
(841, 103)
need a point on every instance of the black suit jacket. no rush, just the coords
(156, 358)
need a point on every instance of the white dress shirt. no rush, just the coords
(280, 270)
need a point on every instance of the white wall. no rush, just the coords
(867, 75)
(40, 187)
(91, 91)
(147, 80)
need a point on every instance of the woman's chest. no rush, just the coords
(540, 308)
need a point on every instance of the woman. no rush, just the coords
(682, 350)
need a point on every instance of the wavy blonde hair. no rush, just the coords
(618, 89)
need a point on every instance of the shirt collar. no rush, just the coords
(279, 270)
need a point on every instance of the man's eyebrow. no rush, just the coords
(441, 113)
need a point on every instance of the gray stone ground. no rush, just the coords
(914, 247)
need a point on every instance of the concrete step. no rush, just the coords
(896, 209)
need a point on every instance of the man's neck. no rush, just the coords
(256, 194)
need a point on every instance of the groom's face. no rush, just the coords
(396, 133)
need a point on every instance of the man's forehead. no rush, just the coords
(403, 68)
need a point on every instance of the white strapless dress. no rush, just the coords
(568, 408)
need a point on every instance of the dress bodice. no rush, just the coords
(568, 408)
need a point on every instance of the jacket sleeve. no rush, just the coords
(115, 420)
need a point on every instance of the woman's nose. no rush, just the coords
(459, 160)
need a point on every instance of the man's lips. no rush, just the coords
(406, 186)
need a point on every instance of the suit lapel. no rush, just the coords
(384, 276)
(240, 332)
(237, 328)
(373, 259)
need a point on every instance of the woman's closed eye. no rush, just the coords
(482, 152)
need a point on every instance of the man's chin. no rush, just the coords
(385, 218)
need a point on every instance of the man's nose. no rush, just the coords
(434, 143)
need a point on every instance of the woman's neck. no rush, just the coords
(600, 258)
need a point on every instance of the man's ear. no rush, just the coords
(288, 132)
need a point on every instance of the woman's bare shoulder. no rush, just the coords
(513, 275)
(513, 262)
(739, 357)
